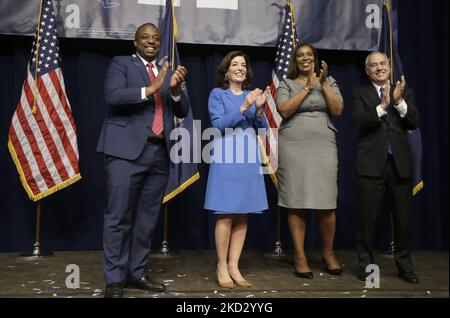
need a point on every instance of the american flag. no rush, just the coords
(285, 48)
(42, 136)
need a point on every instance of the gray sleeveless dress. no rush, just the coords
(307, 151)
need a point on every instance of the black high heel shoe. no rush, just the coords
(332, 271)
(307, 275)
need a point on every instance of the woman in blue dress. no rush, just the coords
(235, 183)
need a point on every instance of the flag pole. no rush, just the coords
(37, 252)
(390, 251)
(165, 250)
(278, 248)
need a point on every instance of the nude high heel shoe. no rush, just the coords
(227, 284)
(242, 283)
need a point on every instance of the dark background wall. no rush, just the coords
(72, 218)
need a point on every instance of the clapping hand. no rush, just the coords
(312, 80)
(261, 101)
(250, 99)
(323, 73)
(386, 99)
(177, 79)
(262, 98)
(158, 82)
(398, 90)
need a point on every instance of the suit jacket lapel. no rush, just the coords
(142, 69)
(374, 96)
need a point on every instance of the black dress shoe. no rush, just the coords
(307, 275)
(332, 271)
(409, 277)
(146, 283)
(114, 290)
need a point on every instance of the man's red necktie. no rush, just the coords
(157, 125)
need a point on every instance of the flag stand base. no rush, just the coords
(390, 252)
(37, 252)
(165, 250)
(278, 251)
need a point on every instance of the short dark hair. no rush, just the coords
(293, 70)
(143, 26)
(224, 65)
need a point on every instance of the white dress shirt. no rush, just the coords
(402, 108)
(155, 71)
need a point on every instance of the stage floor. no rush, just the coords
(191, 274)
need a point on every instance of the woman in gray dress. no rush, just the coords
(307, 153)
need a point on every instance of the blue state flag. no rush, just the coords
(181, 174)
(388, 45)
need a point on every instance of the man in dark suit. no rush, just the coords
(135, 139)
(383, 116)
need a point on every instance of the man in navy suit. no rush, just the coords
(142, 100)
(383, 116)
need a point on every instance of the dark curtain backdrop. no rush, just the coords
(72, 218)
